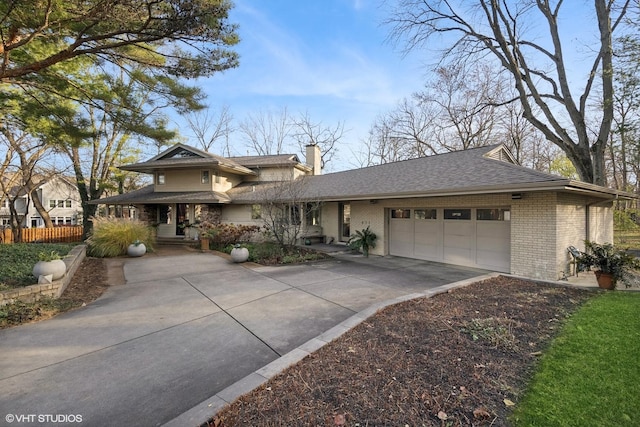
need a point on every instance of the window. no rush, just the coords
(67, 203)
(401, 213)
(61, 203)
(493, 215)
(461, 214)
(312, 213)
(160, 178)
(204, 177)
(294, 215)
(256, 211)
(426, 213)
(217, 178)
(67, 220)
(52, 203)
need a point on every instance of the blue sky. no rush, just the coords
(328, 58)
(331, 59)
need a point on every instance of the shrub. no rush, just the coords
(111, 237)
(363, 239)
(228, 234)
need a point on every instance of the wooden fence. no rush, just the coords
(65, 234)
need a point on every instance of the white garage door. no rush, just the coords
(472, 237)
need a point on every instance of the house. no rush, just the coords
(476, 208)
(58, 195)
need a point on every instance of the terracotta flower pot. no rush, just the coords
(204, 244)
(605, 280)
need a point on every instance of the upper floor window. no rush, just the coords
(60, 203)
(160, 178)
(216, 177)
(204, 177)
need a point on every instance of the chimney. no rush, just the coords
(314, 159)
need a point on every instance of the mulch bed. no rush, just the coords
(88, 283)
(458, 359)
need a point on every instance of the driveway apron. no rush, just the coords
(183, 328)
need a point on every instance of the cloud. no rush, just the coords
(278, 61)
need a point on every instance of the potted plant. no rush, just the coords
(136, 249)
(363, 239)
(611, 265)
(239, 253)
(207, 227)
(50, 263)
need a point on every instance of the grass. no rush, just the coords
(590, 374)
(627, 238)
(17, 261)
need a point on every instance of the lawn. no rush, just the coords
(590, 374)
(627, 238)
(17, 261)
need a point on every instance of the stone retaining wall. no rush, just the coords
(54, 290)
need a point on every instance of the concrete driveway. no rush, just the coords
(184, 328)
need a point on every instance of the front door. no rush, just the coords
(345, 221)
(182, 218)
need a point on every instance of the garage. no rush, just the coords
(475, 237)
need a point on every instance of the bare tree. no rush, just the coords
(210, 126)
(624, 146)
(267, 132)
(285, 208)
(306, 132)
(537, 65)
(402, 133)
(25, 179)
(465, 102)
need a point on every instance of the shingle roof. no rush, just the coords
(269, 160)
(147, 195)
(450, 172)
(473, 171)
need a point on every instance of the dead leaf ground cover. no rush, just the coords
(458, 359)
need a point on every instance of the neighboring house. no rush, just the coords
(59, 196)
(475, 208)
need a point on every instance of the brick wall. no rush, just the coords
(543, 225)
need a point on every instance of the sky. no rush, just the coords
(326, 58)
(331, 60)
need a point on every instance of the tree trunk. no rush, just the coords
(42, 211)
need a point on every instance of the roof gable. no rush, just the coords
(181, 151)
(502, 154)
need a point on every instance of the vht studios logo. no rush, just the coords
(43, 418)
